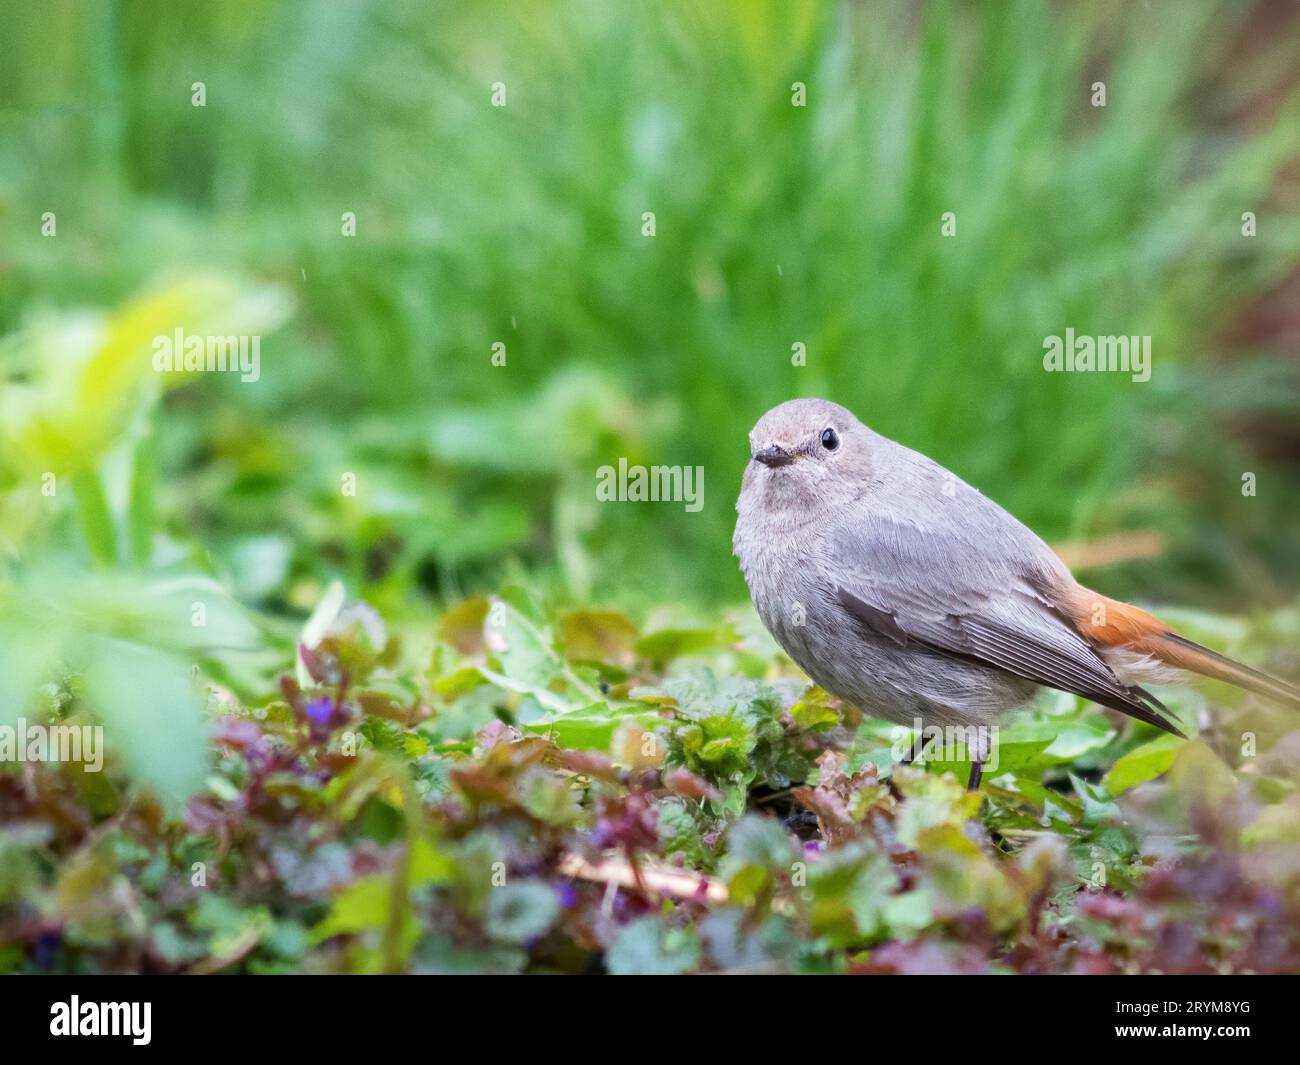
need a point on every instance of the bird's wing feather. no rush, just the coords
(969, 599)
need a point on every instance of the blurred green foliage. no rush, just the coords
(540, 792)
(774, 225)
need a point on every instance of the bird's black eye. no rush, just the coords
(830, 439)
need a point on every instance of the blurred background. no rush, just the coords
(523, 224)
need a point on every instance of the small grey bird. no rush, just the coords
(902, 590)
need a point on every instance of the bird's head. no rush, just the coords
(808, 452)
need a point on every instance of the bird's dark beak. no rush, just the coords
(774, 456)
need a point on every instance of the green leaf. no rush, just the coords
(140, 511)
(361, 906)
(814, 717)
(96, 516)
(429, 865)
(596, 635)
(1142, 764)
(151, 715)
(758, 841)
(851, 890)
(525, 650)
(667, 644)
(645, 947)
(592, 727)
(519, 912)
(229, 922)
(27, 657)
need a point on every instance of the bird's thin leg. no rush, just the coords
(976, 772)
(912, 755)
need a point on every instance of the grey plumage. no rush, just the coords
(900, 588)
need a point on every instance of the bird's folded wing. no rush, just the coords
(973, 601)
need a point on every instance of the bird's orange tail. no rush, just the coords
(1175, 650)
(1109, 623)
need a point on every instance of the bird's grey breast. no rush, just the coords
(793, 587)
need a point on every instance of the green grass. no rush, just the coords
(774, 225)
